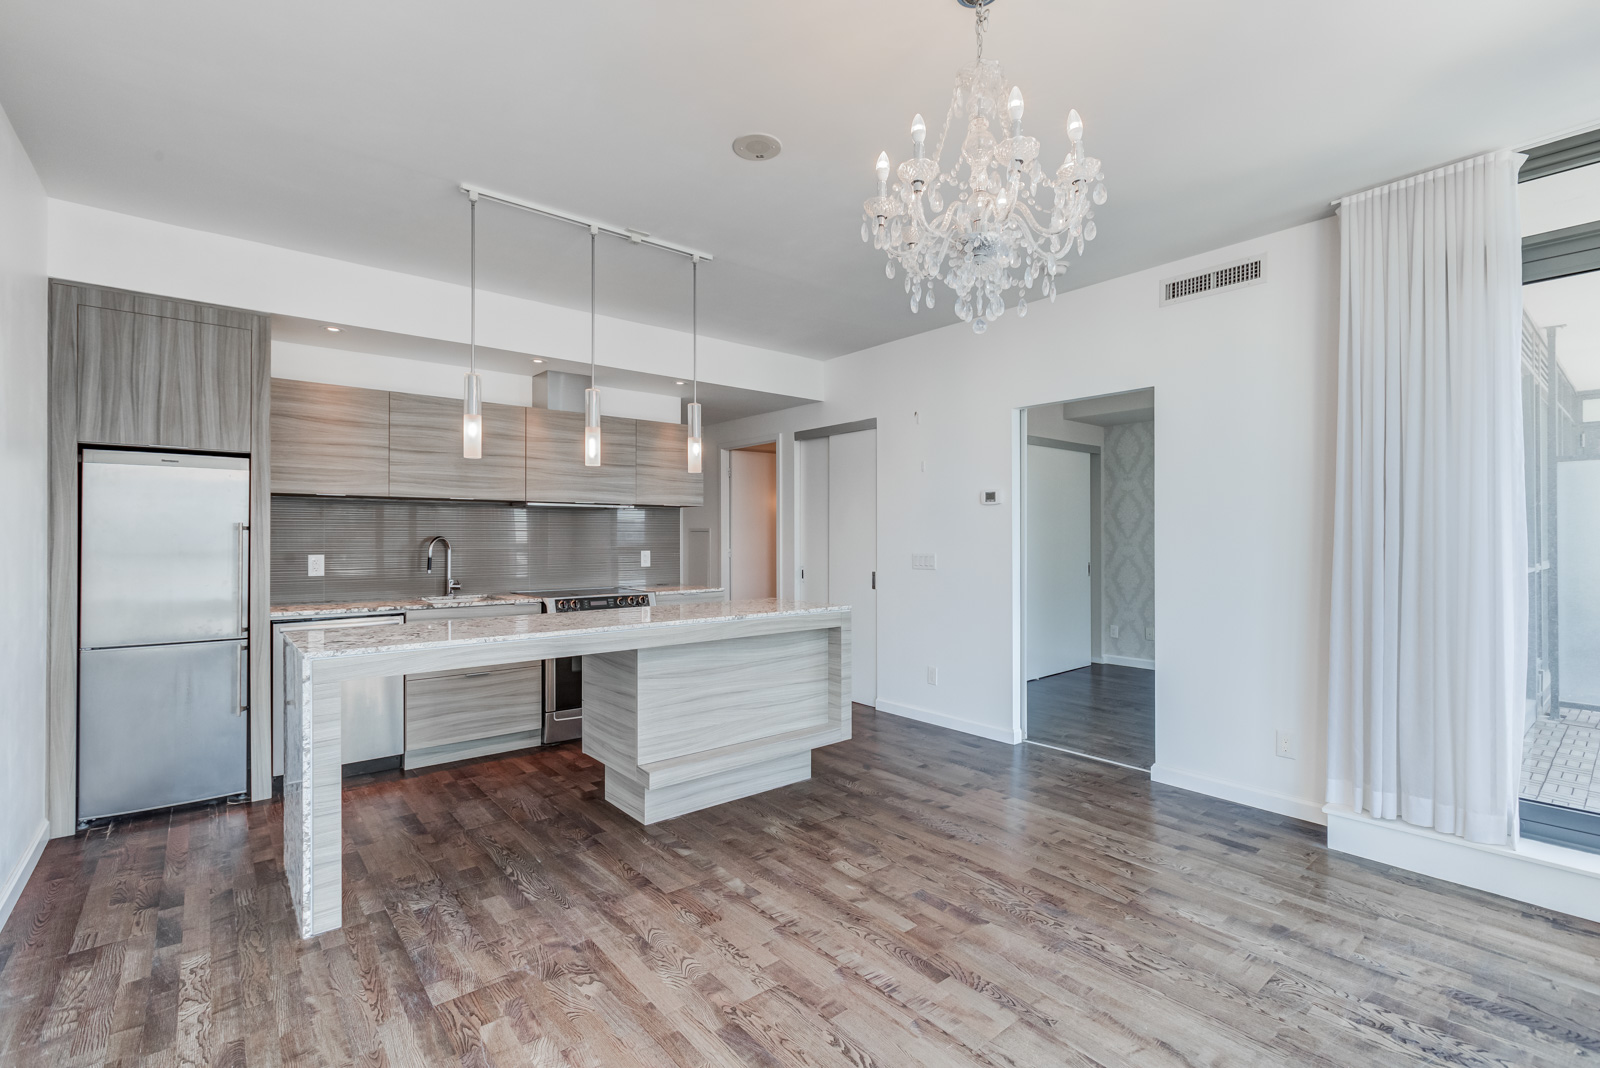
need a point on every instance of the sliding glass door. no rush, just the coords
(1560, 786)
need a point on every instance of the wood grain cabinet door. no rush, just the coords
(447, 707)
(556, 471)
(425, 451)
(661, 473)
(329, 439)
(162, 382)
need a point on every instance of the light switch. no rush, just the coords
(644, 557)
(314, 565)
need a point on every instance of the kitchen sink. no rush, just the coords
(460, 599)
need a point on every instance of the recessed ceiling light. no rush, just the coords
(680, 383)
(537, 360)
(333, 329)
(756, 146)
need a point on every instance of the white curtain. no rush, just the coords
(1429, 615)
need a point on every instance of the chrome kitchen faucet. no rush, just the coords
(450, 583)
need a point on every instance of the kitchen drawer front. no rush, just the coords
(447, 707)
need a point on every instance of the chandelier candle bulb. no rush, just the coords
(1009, 224)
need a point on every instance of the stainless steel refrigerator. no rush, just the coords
(163, 656)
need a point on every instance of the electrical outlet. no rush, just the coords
(1286, 745)
(1115, 630)
(933, 676)
(644, 557)
(1149, 634)
(924, 562)
(314, 565)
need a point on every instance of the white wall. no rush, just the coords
(1245, 403)
(342, 367)
(107, 248)
(24, 488)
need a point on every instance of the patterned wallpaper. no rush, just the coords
(374, 548)
(1128, 538)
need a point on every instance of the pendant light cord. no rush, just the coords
(594, 235)
(473, 271)
(694, 304)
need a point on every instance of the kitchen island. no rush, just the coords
(687, 706)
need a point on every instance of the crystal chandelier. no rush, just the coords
(1000, 230)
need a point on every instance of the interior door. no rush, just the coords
(853, 550)
(753, 524)
(1058, 558)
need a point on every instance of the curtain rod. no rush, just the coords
(637, 237)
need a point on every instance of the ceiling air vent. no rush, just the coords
(1229, 276)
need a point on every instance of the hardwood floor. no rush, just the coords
(928, 899)
(1105, 710)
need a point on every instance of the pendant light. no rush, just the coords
(591, 396)
(472, 392)
(694, 404)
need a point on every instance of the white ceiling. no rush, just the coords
(345, 128)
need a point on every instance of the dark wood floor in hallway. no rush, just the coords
(1104, 710)
(928, 899)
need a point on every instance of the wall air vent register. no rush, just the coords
(1248, 272)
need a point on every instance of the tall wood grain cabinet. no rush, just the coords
(661, 474)
(131, 369)
(556, 471)
(329, 439)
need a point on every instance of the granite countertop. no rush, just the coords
(288, 612)
(319, 644)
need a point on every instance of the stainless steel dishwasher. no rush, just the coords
(372, 723)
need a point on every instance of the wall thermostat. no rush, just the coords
(989, 497)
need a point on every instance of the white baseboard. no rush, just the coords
(1283, 804)
(1009, 735)
(1544, 875)
(1127, 661)
(18, 876)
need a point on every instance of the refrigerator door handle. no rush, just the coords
(244, 578)
(244, 679)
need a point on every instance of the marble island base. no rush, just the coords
(687, 706)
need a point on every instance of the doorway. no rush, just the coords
(753, 522)
(836, 537)
(1088, 577)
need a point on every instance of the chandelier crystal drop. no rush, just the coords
(1007, 225)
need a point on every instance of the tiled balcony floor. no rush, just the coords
(1559, 757)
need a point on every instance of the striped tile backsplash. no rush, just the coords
(375, 548)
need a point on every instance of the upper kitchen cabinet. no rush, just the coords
(556, 471)
(661, 462)
(425, 451)
(330, 439)
(155, 372)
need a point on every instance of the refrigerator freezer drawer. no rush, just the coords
(160, 725)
